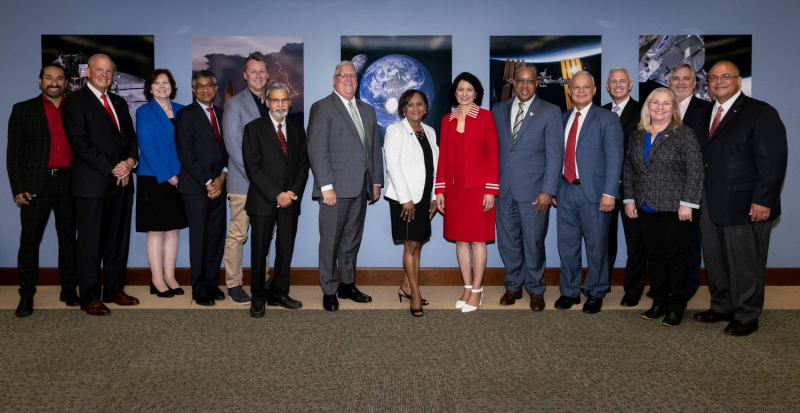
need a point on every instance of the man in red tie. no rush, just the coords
(204, 161)
(105, 151)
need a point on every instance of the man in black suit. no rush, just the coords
(629, 111)
(105, 151)
(38, 162)
(276, 162)
(682, 81)
(745, 162)
(201, 150)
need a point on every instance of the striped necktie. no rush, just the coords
(517, 123)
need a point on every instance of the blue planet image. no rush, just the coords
(387, 78)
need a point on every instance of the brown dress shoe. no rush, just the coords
(537, 302)
(510, 297)
(96, 308)
(122, 299)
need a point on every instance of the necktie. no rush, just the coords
(110, 112)
(214, 125)
(517, 123)
(616, 110)
(282, 138)
(569, 155)
(717, 118)
(357, 121)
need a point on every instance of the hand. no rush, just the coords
(607, 203)
(123, 182)
(20, 199)
(685, 213)
(173, 181)
(376, 194)
(555, 205)
(284, 200)
(123, 168)
(488, 202)
(432, 210)
(630, 210)
(329, 197)
(759, 213)
(543, 202)
(408, 211)
(440, 202)
(215, 186)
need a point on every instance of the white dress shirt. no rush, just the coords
(515, 108)
(621, 105)
(725, 108)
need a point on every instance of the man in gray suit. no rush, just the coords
(530, 142)
(248, 105)
(347, 163)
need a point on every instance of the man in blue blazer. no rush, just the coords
(530, 137)
(587, 192)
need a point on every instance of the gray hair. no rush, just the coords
(342, 63)
(679, 66)
(523, 66)
(618, 69)
(582, 72)
(733, 65)
(203, 74)
(277, 86)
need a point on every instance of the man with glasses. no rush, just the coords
(347, 162)
(276, 162)
(744, 152)
(201, 150)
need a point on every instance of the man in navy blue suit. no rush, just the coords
(587, 192)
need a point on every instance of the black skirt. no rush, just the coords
(159, 207)
(419, 229)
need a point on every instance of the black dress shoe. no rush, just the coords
(349, 291)
(593, 305)
(70, 298)
(177, 291)
(650, 294)
(285, 302)
(712, 316)
(330, 303)
(565, 303)
(25, 307)
(654, 313)
(165, 294)
(629, 300)
(216, 293)
(257, 309)
(672, 319)
(740, 328)
(203, 298)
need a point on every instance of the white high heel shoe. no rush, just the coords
(459, 303)
(468, 308)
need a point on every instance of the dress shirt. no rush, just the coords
(684, 105)
(583, 112)
(60, 151)
(621, 105)
(346, 104)
(515, 108)
(725, 108)
(99, 95)
(208, 116)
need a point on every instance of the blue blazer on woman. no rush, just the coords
(158, 156)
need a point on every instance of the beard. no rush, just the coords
(279, 114)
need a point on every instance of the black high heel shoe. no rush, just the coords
(165, 294)
(403, 294)
(417, 312)
(177, 291)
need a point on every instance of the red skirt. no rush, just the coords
(464, 219)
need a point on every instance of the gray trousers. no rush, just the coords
(520, 240)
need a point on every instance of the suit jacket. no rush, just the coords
(28, 146)
(97, 145)
(240, 110)
(335, 149)
(745, 161)
(269, 170)
(158, 156)
(598, 154)
(629, 120)
(696, 107)
(405, 162)
(201, 157)
(533, 163)
(674, 172)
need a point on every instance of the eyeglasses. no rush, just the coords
(726, 77)
(208, 86)
(525, 81)
(276, 101)
(344, 76)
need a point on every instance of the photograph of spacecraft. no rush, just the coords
(387, 66)
(658, 53)
(225, 55)
(133, 56)
(556, 58)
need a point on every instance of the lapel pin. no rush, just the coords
(530, 114)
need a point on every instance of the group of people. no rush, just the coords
(678, 168)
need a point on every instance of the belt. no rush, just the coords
(58, 171)
(575, 182)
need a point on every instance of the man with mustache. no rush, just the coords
(38, 162)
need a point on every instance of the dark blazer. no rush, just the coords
(745, 161)
(674, 171)
(269, 170)
(97, 145)
(629, 119)
(201, 157)
(156, 134)
(696, 107)
(28, 146)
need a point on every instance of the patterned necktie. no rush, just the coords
(282, 138)
(214, 125)
(569, 155)
(517, 123)
(717, 119)
(616, 110)
(357, 121)
(110, 112)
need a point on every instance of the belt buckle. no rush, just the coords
(54, 172)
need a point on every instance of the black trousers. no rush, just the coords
(260, 239)
(695, 256)
(207, 220)
(636, 265)
(54, 195)
(667, 240)
(104, 234)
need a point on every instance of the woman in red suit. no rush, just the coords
(467, 178)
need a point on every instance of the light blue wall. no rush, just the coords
(321, 22)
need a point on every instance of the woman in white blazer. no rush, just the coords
(411, 153)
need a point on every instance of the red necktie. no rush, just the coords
(569, 154)
(110, 112)
(717, 119)
(214, 125)
(282, 138)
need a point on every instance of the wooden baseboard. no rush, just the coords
(386, 276)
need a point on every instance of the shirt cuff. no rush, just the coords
(327, 187)
(610, 196)
(690, 205)
(225, 169)
(628, 201)
(209, 181)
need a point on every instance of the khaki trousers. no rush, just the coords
(237, 236)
